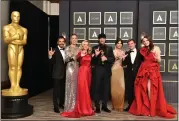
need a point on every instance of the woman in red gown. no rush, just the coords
(149, 95)
(83, 106)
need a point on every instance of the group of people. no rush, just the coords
(104, 72)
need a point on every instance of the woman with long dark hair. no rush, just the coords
(149, 95)
(117, 78)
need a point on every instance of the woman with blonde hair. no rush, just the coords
(83, 106)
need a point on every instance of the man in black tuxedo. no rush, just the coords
(57, 59)
(132, 63)
(102, 62)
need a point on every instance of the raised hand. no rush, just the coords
(51, 52)
(97, 52)
(103, 58)
(124, 56)
(93, 55)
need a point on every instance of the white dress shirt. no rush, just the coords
(62, 52)
(133, 55)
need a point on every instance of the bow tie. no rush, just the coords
(61, 48)
(131, 51)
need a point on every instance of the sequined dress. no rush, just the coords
(71, 77)
(117, 82)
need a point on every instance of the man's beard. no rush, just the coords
(102, 46)
(61, 45)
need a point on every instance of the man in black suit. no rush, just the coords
(102, 62)
(57, 59)
(132, 63)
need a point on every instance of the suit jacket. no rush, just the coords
(108, 52)
(132, 69)
(59, 66)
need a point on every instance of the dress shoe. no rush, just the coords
(127, 109)
(61, 106)
(105, 109)
(56, 110)
(98, 110)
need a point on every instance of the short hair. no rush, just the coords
(102, 35)
(61, 37)
(118, 40)
(130, 40)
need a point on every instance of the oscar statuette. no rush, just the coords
(14, 103)
(102, 54)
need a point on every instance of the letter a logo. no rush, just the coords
(175, 34)
(126, 34)
(110, 19)
(175, 67)
(79, 19)
(159, 18)
(94, 34)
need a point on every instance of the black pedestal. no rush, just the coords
(15, 107)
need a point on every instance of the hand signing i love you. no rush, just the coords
(51, 52)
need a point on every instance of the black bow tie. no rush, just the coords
(131, 51)
(61, 48)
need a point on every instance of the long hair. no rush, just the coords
(89, 45)
(71, 37)
(117, 41)
(151, 45)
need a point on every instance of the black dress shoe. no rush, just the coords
(127, 109)
(105, 109)
(56, 110)
(98, 110)
(61, 106)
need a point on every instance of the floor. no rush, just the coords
(43, 111)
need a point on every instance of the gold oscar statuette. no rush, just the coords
(16, 37)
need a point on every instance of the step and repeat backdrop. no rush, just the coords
(164, 29)
(127, 20)
(115, 24)
(117, 19)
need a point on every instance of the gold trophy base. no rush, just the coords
(17, 92)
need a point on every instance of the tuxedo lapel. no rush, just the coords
(59, 53)
(107, 50)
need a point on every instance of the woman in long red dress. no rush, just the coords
(83, 106)
(149, 95)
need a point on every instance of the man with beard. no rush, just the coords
(102, 62)
(57, 59)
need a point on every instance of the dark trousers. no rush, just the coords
(58, 92)
(130, 88)
(102, 86)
